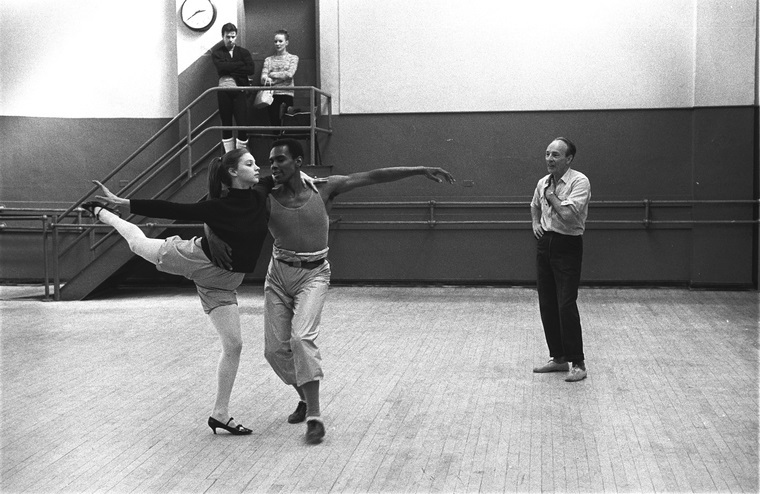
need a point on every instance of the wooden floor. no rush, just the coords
(426, 390)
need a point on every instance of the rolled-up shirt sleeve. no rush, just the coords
(580, 194)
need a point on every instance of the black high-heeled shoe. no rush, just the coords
(238, 430)
(90, 206)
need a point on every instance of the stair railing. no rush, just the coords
(185, 144)
(189, 139)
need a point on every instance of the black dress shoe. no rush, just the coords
(91, 205)
(238, 430)
(299, 415)
(315, 431)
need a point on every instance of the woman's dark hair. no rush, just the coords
(283, 32)
(219, 171)
(228, 28)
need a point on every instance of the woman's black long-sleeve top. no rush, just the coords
(239, 218)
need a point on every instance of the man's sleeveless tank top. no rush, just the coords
(299, 230)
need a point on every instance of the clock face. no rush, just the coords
(198, 15)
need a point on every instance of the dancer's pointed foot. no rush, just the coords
(94, 208)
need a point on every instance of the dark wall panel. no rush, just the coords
(49, 162)
(723, 169)
(54, 159)
(499, 256)
(502, 255)
(628, 155)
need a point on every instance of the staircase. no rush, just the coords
(98, 254)
(110, 252)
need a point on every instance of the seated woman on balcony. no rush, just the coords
(239, 217)
(279, 71)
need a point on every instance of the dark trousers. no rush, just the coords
(558, 263)
(233, 104)
(276, 109)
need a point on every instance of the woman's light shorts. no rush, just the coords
(216, 286)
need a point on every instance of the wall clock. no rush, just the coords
(198, 15)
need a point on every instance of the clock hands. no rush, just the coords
(198, 12)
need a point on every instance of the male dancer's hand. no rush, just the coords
(438, 175)
(221, 253)
(312, 182)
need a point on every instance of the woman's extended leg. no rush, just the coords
(143, 246)
(226, 321)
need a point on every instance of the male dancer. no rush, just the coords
(299, 273)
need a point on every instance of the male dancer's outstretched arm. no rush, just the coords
(337, 184)
(333, 185)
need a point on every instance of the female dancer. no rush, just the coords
(279, 70)
(241, 218)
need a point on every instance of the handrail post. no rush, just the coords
(93, 238)
(431, 209)
(56, 264)
(189, 144)
(647, 213)
(45, 261)
(312, 124)
(329, 112)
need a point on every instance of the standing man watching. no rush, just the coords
(299, 273)
(233, 66)
(559, 210)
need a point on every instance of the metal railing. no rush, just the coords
(48, 228)
(193, 133)
(192, 136)
(646, 204)
(48, 225)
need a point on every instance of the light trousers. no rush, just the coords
(293, 301)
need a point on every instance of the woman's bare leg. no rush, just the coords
(143, 246)
(226, 321)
